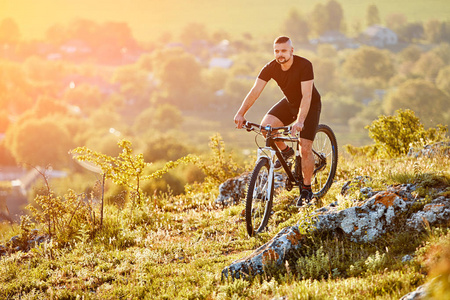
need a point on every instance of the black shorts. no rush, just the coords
(287, 113)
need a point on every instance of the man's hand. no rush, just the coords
(297, 127)
(239, 120)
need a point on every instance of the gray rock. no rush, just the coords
(436, 149)
(407, 258)
(384, 212)
(435, 213)
(233, 190)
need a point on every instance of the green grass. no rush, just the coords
(175, 247)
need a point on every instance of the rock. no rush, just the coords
(407, 258)
(435, 213)
(384, 212)
(356, 183)
(420, 293)
(367, 222)
(17, 243)
(440, 148)
(276, 251)
(234, 189)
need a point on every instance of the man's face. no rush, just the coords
(283, 52)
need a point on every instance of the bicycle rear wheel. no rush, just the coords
(326, 158)
(258, 205)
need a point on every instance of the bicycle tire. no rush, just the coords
(258, 205)
(325, 145)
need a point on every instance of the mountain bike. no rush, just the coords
(259, 200)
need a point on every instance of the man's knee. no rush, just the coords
(271, 120)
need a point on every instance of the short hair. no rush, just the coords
(282, 40)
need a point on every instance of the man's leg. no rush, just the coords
(274, 122)
(307, 160)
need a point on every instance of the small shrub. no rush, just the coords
(316, 266)
(217, 168)
(395, 135)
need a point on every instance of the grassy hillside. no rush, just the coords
(149, 19)
(175, 247)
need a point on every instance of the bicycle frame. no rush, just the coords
(270, 151)
(260, 193)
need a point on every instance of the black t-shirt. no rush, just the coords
(290, 81)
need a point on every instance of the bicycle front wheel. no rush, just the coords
(325, 160)
(258, 204)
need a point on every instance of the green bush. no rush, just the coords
(395, 135)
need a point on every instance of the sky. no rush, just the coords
(148, 19)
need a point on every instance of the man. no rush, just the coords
(300, 106)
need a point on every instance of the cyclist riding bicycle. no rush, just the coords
(301, 105)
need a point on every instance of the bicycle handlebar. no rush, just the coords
(269, 128)
(249, 126)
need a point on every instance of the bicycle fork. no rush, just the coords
(269, 154)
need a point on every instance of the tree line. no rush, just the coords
(52, 106)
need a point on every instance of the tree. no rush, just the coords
(296, 27)
(428, 66)
(83, 30)
(163, 118)
(4, 121)
(435, 31)
(46, 106)
(327, 51)
(339, 109)
(56, 34)
(40, 142)
(9, 31)
(85, 96)
(318, 19)
(324, 74)
(193, 32)
(165, 147)
(395, 21)
(407, 58)
(367, 115)
(326, 17)
(372, 15)
(335, 15)
(178, 74)
(410, 54)
(410, 32)
(443, 52)
(135, 85)
(369, 62)
(421, 96)
(443, 80)
(117, 35)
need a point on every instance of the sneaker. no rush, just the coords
(286, 155)
(305, 197)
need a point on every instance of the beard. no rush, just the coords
(283, 60)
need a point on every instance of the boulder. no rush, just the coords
(386, 211)
(432, 214)
(233, 190)
(285, 244)
(440, 148)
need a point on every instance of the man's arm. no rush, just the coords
(307, 88)
(249, 100)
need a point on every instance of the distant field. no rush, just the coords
(148, 19)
